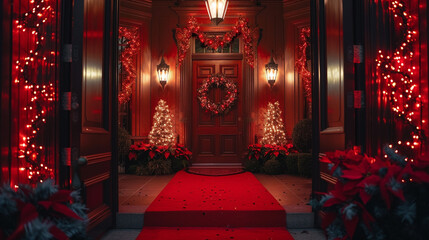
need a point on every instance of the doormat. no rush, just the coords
(212, 171)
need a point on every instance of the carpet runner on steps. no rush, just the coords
(156, 233)
(197, 207)
(232, 201)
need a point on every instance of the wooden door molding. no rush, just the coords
(217, 138)
(185, 106)
(91, 84)
(332, 84)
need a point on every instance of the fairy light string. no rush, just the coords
(131, 45)
(34, 74)
(162, 132)
(302, 66)
(399, 71)
(273, 127)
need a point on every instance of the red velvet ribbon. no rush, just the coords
(56, 204)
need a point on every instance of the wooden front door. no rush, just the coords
(216, 138)
(91, 111)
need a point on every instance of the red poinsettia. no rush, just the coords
(181, 151)
(267, 151)
(361, 178)
(153, 151)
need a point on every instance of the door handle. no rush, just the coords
(77, 164)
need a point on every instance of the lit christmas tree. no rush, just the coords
(162, 130)
(274, 130)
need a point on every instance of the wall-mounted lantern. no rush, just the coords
(163, 70)
(216, 10)
(271, 70)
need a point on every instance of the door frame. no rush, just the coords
(220, 57)
(186, 99)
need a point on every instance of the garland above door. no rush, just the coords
(250, 36)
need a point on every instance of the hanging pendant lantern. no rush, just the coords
(216, 10)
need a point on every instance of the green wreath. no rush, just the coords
(217, 81)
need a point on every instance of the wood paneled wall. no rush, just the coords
(139, 14)
(271, 21)
(296, 16)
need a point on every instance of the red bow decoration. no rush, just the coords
(56, 203)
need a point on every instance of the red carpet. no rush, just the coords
(191, 200)
(214, 234)
(197, 207)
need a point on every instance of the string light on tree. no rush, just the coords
(30, 69)
(399, 70)
(273, 131)
(162, 133)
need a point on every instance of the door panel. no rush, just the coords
(332, 135)
(93, 64)
(90, 127)
(217, 138)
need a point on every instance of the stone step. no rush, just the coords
(294, 220)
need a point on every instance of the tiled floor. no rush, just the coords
(292, 192)
(137, 192)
